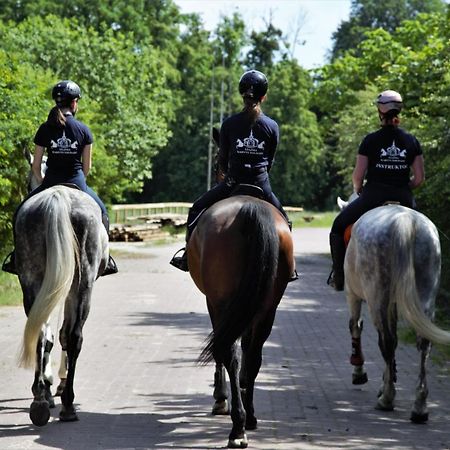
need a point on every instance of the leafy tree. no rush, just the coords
(22, 97)
(265, 45)
(157, 20)
(366, 15)
(126, 92)
(180, 168)
(295, 176)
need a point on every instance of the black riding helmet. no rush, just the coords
(66, 91)
(253, 84)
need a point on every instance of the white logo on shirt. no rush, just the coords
(64, 145)
(250, 145)
(392, 158)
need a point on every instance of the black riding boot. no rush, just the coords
(9, 264)
(337, 246)
(111, 266)
(294, 274)
(181, 262)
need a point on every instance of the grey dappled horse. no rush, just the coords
(393, 263)
(61, 248)
(32, 184)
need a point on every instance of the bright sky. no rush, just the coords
(316, 19)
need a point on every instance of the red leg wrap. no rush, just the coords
(357, 358)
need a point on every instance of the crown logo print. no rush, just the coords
(393, 151)
(64, 143)
(251, 142)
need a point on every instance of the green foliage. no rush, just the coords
(264, 46)
(22, 93)
(296, 173)
(156, 20)
(126, 100)
(366, 15)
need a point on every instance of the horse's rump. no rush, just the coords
(60, 244)
(394, 254)
(235, 255)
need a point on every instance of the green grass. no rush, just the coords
(10, 292)
(312, 219)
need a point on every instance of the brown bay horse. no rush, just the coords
(240, 256)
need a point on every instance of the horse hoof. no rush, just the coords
(40, 413)
(68, 416)
(238, 442)
(360, 379)
(251, 423)
(381, 406)
(221, 408)
(419, 418)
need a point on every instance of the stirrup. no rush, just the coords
(180, 262)
(294, 276)
(111, 267)
(9, 264)
(331, 281)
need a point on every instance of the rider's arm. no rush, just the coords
(37, 162)
(418, 172)
(274, 144)
(362, 162)
(86, 159)
(222, 158)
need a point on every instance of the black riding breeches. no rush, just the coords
(372, 196)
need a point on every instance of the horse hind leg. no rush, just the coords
(221, 406)
(237, 437)
(387, 340)
(43, 399)
(359, 375)
(68, 413)
(72, 340)
(419, 413)
(252, 346)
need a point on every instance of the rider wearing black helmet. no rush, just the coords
(68, 143)
(248, 141)
(385, 159)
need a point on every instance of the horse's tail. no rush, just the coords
(404, 289)
(257, 225)
(62, 259)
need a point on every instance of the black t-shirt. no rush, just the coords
(64, 145)
(391, 151)
(247, 144)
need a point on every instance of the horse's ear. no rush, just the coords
(216, 135)
(28, 156)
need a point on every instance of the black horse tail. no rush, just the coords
(257, 225)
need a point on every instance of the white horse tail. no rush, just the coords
(403, 288)
(62, 261)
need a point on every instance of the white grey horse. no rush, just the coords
(61, 248)
(393, 263)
